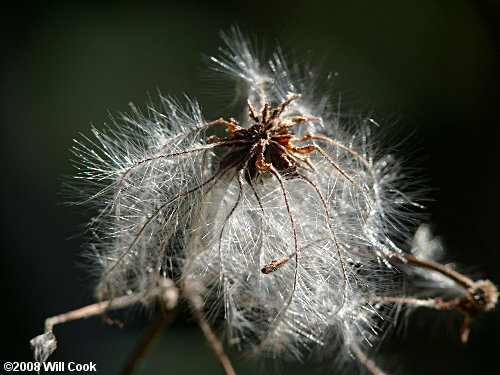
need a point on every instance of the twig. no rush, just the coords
(480, 296)
(92, 310)
(160, 323)
(45, 344)
(457, 277)
(367, 362)
(214, 342)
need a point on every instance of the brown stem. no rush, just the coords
(45, 344)
(422, 263)
(149, 339)
(367, 362)
(214, 342)
(481, 295)
(93, 310)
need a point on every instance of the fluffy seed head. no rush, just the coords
(282, 225)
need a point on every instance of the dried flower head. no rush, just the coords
(286, 239)
(284, 225)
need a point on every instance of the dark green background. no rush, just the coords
(430, 65)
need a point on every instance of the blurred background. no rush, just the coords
(429, 69)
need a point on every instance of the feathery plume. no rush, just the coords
(284, 225)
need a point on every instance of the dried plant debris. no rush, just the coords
(285, 225)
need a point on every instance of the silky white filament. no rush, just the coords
(283, 224)
(169, 203)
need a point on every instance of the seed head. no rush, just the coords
(297, 219)
(283, 225)
(277, 229)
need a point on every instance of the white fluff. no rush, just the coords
(162, 211)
